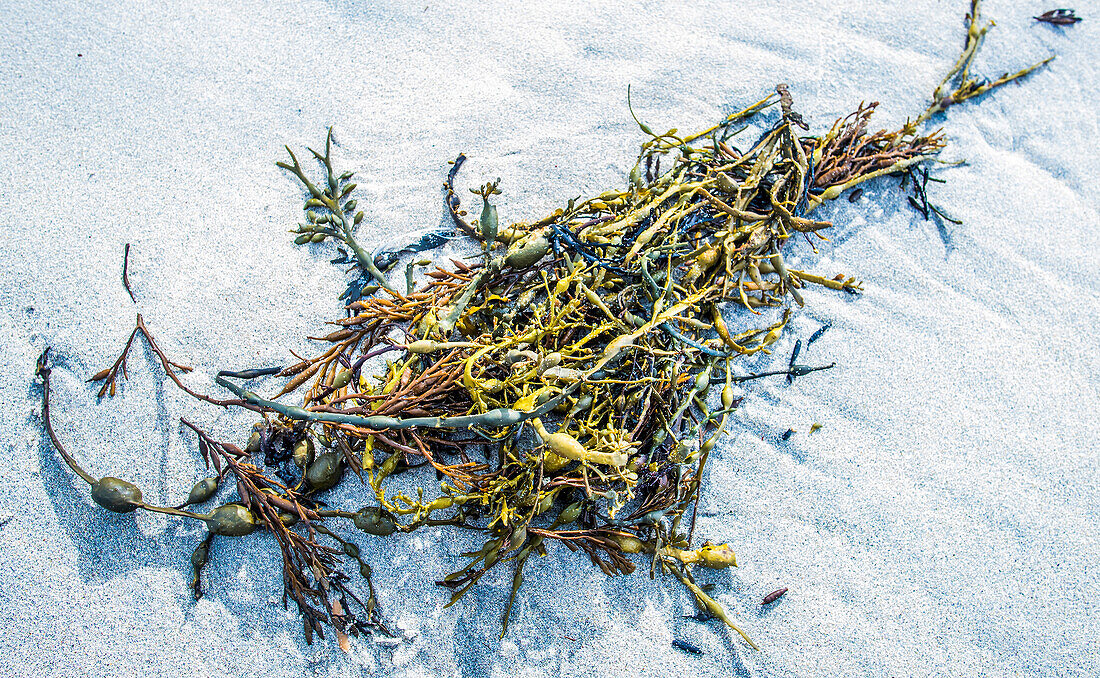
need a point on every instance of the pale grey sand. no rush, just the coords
(943, 522)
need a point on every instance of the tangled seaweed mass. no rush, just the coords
(559, 383)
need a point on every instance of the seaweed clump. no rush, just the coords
(559, 384)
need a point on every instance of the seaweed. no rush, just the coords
(561, 384)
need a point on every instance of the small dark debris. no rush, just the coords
(773, 596)
(126, 272)
(787, 434)
(686, 646)
(855, 195)
(794, 357)
(1059, 17)
(817, 335)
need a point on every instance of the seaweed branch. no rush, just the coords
(329, 211)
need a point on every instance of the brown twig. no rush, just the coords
(110, 375)
(125, 272)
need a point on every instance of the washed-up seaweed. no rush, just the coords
(567, 384)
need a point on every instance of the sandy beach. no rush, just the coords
(943, 521)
